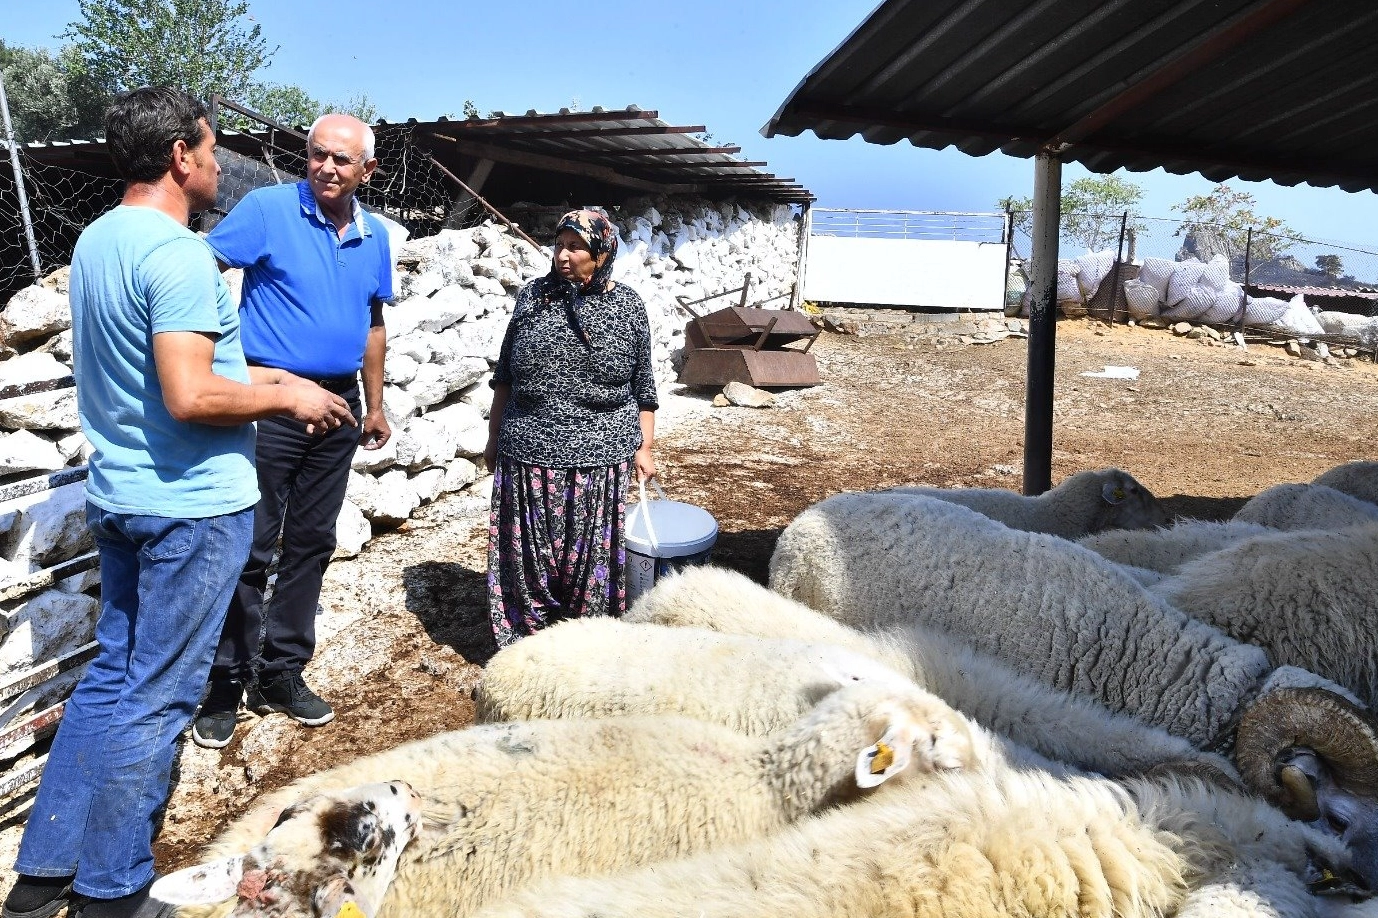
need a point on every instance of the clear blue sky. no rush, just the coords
(725, 65)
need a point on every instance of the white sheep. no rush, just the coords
(1306, 506)
(506, 803)
(1165, 550)
(330, 855)
(757, 685)
(1084, 503)
(1310, 599)
(1357, 479)
(1037, 603)
(603, 667)
(974, 845)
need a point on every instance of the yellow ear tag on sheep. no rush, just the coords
(350, 910)
(883, 759)
(1119, 494)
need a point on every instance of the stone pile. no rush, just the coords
(455, 293)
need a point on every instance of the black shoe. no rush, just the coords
(138, 904)
(215, 722)
(37, 897)
(289, 694)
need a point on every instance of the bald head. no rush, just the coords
(361, 134)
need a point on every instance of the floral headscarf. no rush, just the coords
(601, 236)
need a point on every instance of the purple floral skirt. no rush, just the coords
(555, 545)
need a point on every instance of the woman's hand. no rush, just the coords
(645, 464)
(490, 454)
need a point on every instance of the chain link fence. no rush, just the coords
(409, 186)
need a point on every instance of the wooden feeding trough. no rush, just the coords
(741, 344)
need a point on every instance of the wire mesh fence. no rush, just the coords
(408, 187)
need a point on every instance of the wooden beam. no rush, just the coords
(563, 165)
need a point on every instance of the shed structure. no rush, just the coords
(1253, 89)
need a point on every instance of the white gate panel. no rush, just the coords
(932, 273)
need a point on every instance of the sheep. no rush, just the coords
(1310, 599)
(1165, 550)
(1306, 506)
(1357, 479)
(603, 667)
(1051, 723)
(1085, 503)
(324, 855)
(506, 803)
(1037, 603)
(970, 845)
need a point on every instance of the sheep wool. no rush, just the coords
(1165, 550)
(1049, 728)
(507, 803)
(1308, 598)
(1035, 602)
(603, 667)
(959, 846)
(1306, 506)
(1085, 503)
(1357, 479)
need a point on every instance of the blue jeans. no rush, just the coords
(165, 586)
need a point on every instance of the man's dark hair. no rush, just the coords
(141, 126)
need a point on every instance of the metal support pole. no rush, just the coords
(1115, 272)
(1009, 243)
(1038, 409)
(796, 299)
(19, 186)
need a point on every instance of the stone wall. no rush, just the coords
(455, 293)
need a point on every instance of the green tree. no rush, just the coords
(1220, 222)
(1330, 264)
(201, 46)
(51, 96)
(358, 105)
(1092, 209)
(284, 103)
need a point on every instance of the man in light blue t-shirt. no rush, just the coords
(166, 399)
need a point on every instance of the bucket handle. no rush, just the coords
(641, 508)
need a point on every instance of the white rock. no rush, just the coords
(398, 404)
(427, 484)
(394, 499)
(434, 381)
(23, 451)
(435, 443)
(458, 474)
(41, 411)
(415, 344)
(352, 531)
(51, 527)
(449, 305)
(32, 313)
(480, 395)
(399, 369)
(60, 346)
(48, 625)
(375, 460)
(32, 367)
(489, 285)
(465, 425)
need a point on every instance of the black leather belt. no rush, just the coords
(335, 384)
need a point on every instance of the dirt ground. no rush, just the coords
(403, 627)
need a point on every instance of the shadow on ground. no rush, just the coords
(1202, 508)
(747, 552)
(451, 603)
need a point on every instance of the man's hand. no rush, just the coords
(376, 431)
(321, 411)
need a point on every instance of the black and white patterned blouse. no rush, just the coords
(580, 369)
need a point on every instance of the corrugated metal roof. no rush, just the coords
(1317, 291)
(1256, 89)
(630, 148)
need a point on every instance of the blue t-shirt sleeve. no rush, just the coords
(241, 239)
(181, 286)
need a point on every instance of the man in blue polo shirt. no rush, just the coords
(317, 270)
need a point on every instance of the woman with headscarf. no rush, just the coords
(573, 415)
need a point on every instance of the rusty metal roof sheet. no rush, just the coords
(630, 148)
(1256, 89)
(1318, 291)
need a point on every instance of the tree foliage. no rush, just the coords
(1330, 264)
(200, 46)
(51, 97)
(284, 103)
(1220, 222)
(1092, 209)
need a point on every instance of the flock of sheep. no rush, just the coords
(949, 703)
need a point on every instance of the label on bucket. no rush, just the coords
(643, 571)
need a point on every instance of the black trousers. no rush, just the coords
(301, 483)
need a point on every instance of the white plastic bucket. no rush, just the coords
(663, 536)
